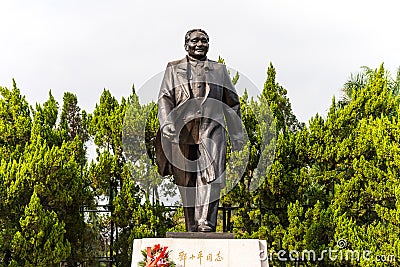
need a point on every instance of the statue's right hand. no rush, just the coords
(168, 132)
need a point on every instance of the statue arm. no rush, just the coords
(166, 98)
(166, 103)
(232, 112)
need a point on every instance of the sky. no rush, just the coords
(88, 45)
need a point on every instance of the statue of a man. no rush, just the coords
(197, 100)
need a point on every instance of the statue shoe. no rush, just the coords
(204, 228)
(192, 228)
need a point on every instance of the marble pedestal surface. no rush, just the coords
(210, 250)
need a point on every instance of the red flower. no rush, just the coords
(157, 256)
(157, 247)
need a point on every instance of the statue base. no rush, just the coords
(206, 249)
(200, 235)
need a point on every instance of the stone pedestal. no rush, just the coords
(199, 235)
(206, 250)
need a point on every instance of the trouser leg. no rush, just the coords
(207, 200)
(186, 181)
(213, 206)
(188, 200)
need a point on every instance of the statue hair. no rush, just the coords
(187, 36)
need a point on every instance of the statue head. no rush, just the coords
(196, 43)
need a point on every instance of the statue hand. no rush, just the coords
(168, 132)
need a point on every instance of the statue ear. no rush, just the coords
(186, 47)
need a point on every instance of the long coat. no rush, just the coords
(219, 108)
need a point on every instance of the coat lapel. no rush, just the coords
(182, 75)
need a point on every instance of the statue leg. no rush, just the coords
(188, 200)
(206, 210)
(213, 205)
(187, 187)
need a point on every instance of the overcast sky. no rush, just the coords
(87, 45)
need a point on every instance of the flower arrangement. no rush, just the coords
(156, 256)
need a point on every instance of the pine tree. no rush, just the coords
(351, 171)
(279, 103)
(41, 241)
(73, 120)
(15, 122)
(47, 164)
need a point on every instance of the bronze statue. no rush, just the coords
(196, 101)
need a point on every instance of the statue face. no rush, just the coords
(197, 46)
